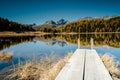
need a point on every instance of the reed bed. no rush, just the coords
(47, 69)
(111, 65)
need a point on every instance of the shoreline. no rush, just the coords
(7, 33)
(38, 33)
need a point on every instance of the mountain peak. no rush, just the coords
(50, 22)
(61, 22)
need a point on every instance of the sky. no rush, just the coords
(39, 11)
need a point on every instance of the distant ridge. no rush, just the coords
(53, 24)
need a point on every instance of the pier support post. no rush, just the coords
(91, 41)
(78, 43)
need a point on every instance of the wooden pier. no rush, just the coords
(85, 64)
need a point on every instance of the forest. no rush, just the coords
(6, 25)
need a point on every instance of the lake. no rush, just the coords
(26, 48)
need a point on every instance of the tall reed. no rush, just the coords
(111, 65)
(46, 69)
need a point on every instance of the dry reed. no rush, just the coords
(111, 65)
(47, 69)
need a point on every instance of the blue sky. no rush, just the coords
(39, 11)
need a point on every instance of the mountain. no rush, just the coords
(84, 25)
(52, 24)
(49, 23)
(61, 22)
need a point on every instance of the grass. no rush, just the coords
(111, 65)
(47, 69)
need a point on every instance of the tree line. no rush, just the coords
(6, 25)
(93, 25)
(88, 25)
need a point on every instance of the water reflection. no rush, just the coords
(112, 40)
(24, 46)
(99, 39)
(13, 61)
(6, 42)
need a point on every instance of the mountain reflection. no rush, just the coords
(56, 41)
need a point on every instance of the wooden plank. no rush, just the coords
(90, 67)
(85, 64)
(94, 67)
(102, 70)
(73, 70)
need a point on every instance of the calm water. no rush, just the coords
(25, 48)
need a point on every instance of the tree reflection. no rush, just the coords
(6, 42)
(99, 39)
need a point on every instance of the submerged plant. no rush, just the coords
(6, 56)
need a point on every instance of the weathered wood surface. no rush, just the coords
(85, 64)
(94, 67)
